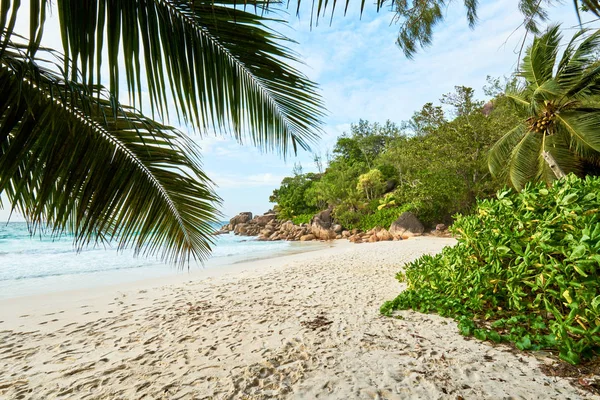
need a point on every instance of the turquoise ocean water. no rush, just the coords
(41, 264)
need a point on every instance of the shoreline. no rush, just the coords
(44, 303)
(141, 268)
(300, 326)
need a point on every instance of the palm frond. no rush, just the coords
(72, 159)
(519, 98)
(586, 85)
(223, 68)
(578, 61)
(582, 129)
(501, 151)
(523, 165)
(577, 57)
(591, 5)
(548, 90)
(540, 57)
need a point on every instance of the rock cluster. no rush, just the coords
(378, 234)
(244, 225)
(321, 227)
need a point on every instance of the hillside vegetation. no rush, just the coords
(434, 165)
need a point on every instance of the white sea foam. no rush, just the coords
(40, 263)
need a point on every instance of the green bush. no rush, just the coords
(382, 218)
(349, 214)
(525, 270)
(302, 218)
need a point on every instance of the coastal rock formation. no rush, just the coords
(321, 229)
(263, 220)
(407, 225)
(325, 218)
(241, 218)
(267, 227)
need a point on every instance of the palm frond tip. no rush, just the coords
(72, 159)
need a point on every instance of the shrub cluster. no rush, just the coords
(382, 218)
(302, 218)
(525, 270)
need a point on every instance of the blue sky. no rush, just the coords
(364, 75)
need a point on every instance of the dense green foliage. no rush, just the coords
(291, 197)
(381, 218)
(371, 184)
(525, 269)
(302, 218)
(434, 165)
(559, 100)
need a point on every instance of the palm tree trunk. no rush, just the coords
(558, 172)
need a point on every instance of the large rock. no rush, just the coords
(407, 225)
(241, 229)
(287, 226)
(267, 232)
(337, 228)
(263, 220)
(305, 238)
(275, 236)
(241, 218)
(325, 218)
(321, 229)
(384, 235)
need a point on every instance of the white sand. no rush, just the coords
(248, 333)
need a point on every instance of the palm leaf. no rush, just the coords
(519, 98)
(221, 66)
(577, 59)
(582, 128)
(72, 159)
(540, 57)
(501, 151)
(523, 165)
(587, 84)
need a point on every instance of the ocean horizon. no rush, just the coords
(38, 264)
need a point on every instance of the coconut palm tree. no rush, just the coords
(72, 157)
(560, 102)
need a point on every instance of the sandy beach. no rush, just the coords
(303, 326)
